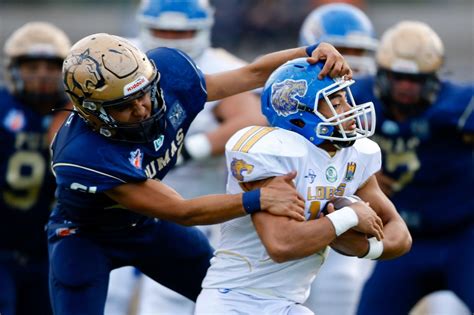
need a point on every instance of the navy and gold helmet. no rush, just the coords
(104, 71)
(290, 101)
(409, 50)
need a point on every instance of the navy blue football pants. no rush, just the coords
(23, 286)
(173, 255)
(442, 263)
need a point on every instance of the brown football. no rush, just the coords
(352, 242)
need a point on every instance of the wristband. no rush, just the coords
(343, 219)
(251, 201)
(375, 249)
(197, 146)
(311, 48)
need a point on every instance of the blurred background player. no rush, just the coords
(425, 129)
(186, 25)
(34, 55)
(348, 28)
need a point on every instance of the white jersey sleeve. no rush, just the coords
(370, 153)
(255, 153)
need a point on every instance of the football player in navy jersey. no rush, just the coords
(34, 54)
(424, 128)
(132, 113)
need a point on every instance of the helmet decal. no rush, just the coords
(84, 63)
(284, 94)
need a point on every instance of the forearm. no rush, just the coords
(263, 66)
(286, 239)
(397, 241)
(249, 77)
(211, 209)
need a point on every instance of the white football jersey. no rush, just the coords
(241, 261)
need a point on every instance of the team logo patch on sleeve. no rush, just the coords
(15, 120)
(136, 158)
(238, 166)
(284, 95)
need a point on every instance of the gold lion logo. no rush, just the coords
(238, 166)
(284, 95)
(83, 75)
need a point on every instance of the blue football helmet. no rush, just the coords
(291, 97)
(176, 15)
(345, 27)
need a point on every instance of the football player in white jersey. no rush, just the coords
(350, 30)
(186, 25)
(264, 264)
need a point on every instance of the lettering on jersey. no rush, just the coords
(83, 188)
(350, 171)
(135, 85)
(325, 192)
(136, 158)
(176, 115)
(238, 166)
(284, 95)
(14, 120)
(156, 165)
(157, 143)
(33, 141)
(331, 174)
(311, 176)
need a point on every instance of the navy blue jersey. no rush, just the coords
(426, 155)
(87, 164)
(26, 182)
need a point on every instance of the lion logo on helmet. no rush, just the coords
(83, 74)
(284, 94)
(238, 166)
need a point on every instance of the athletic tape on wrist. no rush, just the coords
(311, 48)
(251, 201)
(375, 249)
(198, 146)
(343, 219)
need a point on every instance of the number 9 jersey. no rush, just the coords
(27, 184)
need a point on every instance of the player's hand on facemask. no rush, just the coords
(335, 65)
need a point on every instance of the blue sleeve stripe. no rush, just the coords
(464, 117)
(195, 69)
(87, 169)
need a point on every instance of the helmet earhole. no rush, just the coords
(298, 122)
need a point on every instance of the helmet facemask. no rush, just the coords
(332, 128)
(143, 131)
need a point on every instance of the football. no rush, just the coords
(341, 202)
(350, 242)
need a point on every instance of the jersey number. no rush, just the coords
(25, 176)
